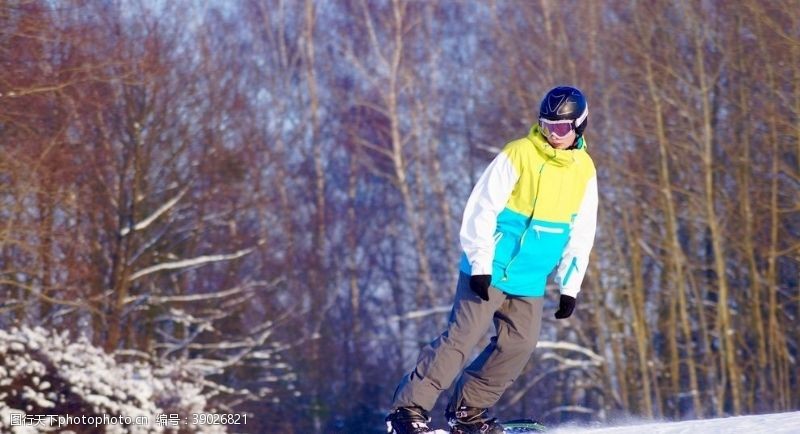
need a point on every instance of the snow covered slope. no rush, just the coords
(780, 423)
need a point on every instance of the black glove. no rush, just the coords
(565, 307)
(479, 284)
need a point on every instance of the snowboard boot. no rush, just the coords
(472, 420)
(408, 420)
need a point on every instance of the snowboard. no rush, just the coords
(516, 426)
(522, 426)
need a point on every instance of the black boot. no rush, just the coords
(472, 420)
(408, 420)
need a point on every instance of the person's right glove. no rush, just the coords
(565, 307)
(479, 284)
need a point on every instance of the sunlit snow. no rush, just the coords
(779, 423)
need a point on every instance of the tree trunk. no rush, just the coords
(675, 259)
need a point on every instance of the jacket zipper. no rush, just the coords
(521, 242)
(522, 238)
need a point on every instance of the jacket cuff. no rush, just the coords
(478, 269)
(572, 292)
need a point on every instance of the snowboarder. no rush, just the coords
(533, 209)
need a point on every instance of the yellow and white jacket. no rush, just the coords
(534, 208)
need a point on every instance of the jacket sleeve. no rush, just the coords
(575, 258)
(488, 199)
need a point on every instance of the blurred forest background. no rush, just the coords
(269, 192)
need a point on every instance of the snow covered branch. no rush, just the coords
(186, 263)
(568, 346)
(156, 214)
(45, 373)
(421, 313)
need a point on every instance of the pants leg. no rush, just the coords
(440, 361)
(518, 322)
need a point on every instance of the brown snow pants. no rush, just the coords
(517, 321)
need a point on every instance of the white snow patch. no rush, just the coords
(778, 423)
(44, 371)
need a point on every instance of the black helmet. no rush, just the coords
(565, 102)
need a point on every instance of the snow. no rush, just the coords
(779, 423)
(44, 373)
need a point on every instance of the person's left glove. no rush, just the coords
(565, 307)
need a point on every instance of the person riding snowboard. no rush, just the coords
(533, 209)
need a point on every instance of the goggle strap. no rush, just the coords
(582, 117)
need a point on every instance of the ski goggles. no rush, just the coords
(555, 128)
